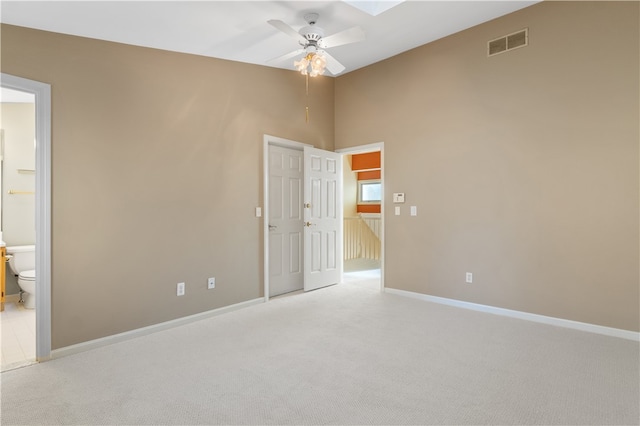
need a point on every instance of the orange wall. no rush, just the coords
(369, 208)
(368, 161)
(371, 174)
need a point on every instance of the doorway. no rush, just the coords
(298, 261)
(42, 94)
(364, 215)
(17, 182)
(303, 217)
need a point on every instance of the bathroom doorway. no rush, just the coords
(37, 197)
(17, 220)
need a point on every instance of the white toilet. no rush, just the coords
(22, 262)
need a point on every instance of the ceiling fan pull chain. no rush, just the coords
(307, 93)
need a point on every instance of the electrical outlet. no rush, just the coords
(180, 289)
(469, 277)
(211, 283)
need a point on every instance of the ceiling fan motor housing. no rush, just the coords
(312, 33)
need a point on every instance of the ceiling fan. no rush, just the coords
(314, 43)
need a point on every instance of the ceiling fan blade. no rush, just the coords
(287, 56)
(347, 36)
(333, 65)
(285, 28)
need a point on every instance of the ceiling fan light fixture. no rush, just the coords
(313, 64)
(318, 61)
(302, 65)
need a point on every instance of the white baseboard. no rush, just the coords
(139, 332)
(582, 326)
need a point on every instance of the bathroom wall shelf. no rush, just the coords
(13, 192)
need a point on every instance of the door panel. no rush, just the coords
(275, 247)
(295, 250)
(322, 218)
(331, 250)
(285, 220)
(295, 202)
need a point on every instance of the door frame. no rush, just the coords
(267, 141)
(362, 149)
(287, 143)
(42, 92)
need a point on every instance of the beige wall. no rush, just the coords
(157, 170)
(523, 166)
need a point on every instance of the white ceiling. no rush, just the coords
(238, 30)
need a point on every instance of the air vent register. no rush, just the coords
(508, 42)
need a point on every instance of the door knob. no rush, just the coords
(272, 227)
(308, 224)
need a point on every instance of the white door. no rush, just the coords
(285, 220)
(322, 218)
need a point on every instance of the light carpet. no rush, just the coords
(346, 354)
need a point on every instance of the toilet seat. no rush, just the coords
(27, 275)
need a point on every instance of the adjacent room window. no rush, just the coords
(369, 191)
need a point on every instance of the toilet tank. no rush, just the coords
(23, 258)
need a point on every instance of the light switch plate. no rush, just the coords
(258, 211)
(397, 210)
(414, 211)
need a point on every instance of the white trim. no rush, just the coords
(144, 331)
(42, 92)
(361, 149)
(286, 143)
(560, 322)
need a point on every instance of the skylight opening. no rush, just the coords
(373, 7)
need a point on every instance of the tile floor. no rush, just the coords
(18, 336)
